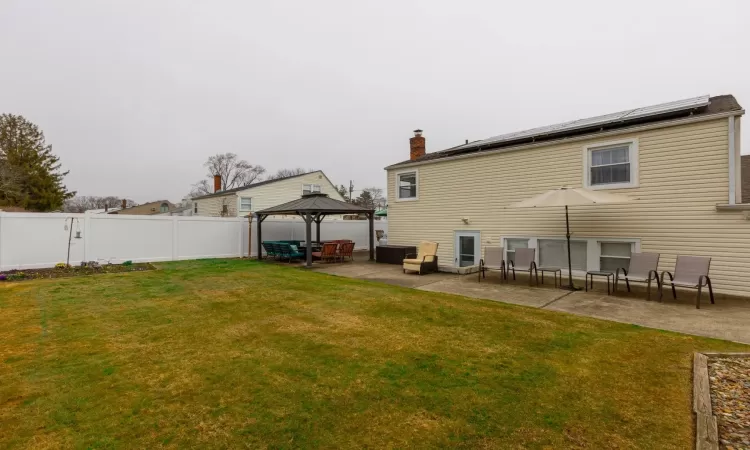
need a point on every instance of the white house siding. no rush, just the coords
(267, 195)
(684, 174)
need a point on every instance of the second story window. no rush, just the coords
(246, 204)
(611, 166)
(310, 188)
(406, 184)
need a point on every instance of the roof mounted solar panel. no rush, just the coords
(631, 114)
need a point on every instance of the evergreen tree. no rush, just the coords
(24, 151)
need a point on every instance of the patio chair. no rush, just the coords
(493, 260)
(269, 248)
(290, 252)
(346, 250)
(328, 252)
(642, 270)
(424, 261)
(278, 250)
(689, 272)
(524, 260)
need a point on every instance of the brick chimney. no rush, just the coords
(416, 144)
(124, 203)
(217, 183)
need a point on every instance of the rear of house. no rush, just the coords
(245, 200)
(680, 162)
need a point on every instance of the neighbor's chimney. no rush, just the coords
(417, 145)
(217, 183)
(124, 203)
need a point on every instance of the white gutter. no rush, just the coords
(732, 164)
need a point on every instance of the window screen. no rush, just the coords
(610, 165)
(407, 185)
(554, 253)
(615, 255)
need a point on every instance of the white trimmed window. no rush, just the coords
(406, 184)
(554, 253)
(511, 245)
(310, 188)
(611, 165)
(587, 253)
(246, 204)
(613, 255)
(195, 208)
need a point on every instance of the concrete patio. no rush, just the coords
(728, 319)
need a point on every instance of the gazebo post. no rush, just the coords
(261, 218)
(371, 217)
(308, 232)
(318, 218)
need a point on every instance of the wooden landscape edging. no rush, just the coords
(706, 431)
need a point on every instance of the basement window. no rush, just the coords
(614, 255)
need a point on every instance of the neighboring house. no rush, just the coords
(240, 202)
(680, 160)
(159, 207)
(745, 178)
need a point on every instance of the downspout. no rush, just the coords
(732, 163)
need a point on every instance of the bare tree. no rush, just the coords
(83, 203)
(371, 197)
(234, 173)
(284, 173)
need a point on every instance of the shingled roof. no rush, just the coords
(250, 186)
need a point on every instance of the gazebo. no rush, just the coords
(315, 207)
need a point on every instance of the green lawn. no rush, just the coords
(232, 353)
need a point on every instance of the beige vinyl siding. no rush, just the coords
(683, 175)
(284, 191)
(266, 196)
(212, 206)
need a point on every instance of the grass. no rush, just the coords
(234, 353)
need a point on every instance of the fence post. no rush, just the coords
(1, 239)
(240, 228)
(175, 240)
(86, 240)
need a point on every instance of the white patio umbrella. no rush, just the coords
(570, 197)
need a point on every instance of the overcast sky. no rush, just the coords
(134, 95)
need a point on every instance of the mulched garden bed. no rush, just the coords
(72, 271)
(730, 399)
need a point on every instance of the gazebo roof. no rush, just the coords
(314, 203)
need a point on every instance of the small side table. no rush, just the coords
(598, 273)
(554, 270)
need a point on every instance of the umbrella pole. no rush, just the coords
(570, 264)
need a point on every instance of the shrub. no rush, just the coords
(3, 277)
(61, 266)
(128, 263)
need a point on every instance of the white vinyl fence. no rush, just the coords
(32, 240)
